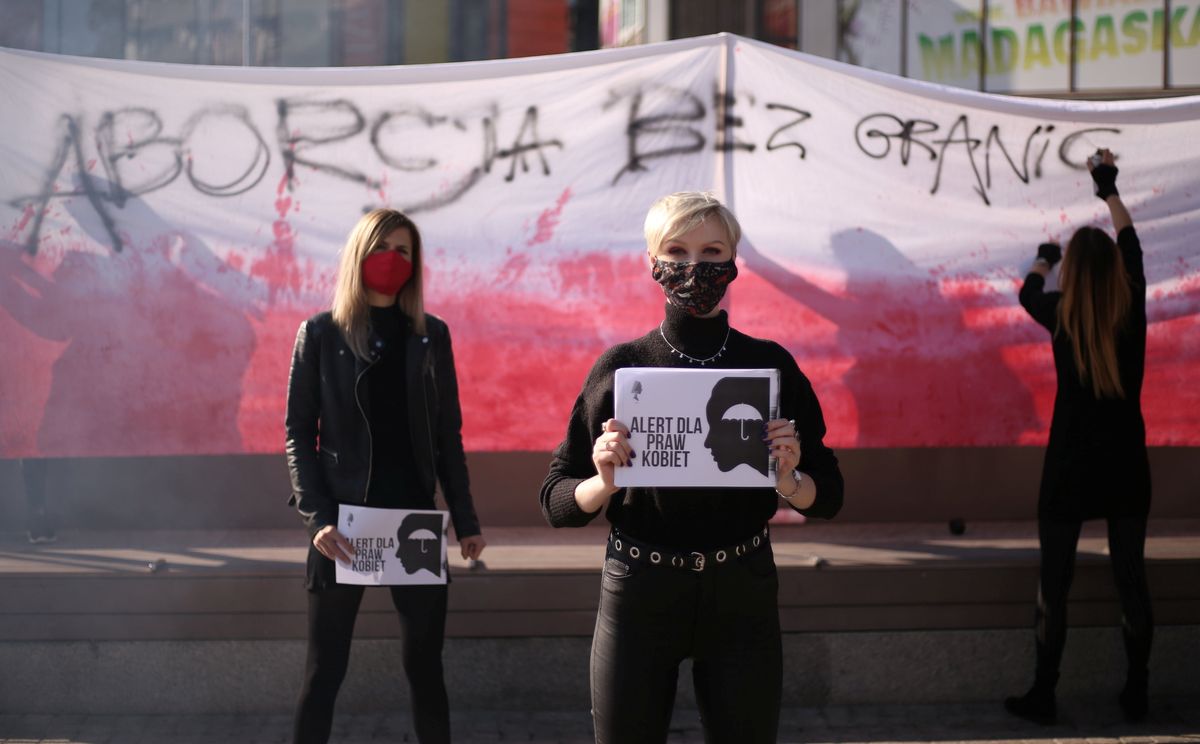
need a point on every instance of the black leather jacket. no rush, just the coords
(328, 437)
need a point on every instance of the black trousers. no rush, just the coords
(1126, 547)
(33, 473)
(651, 618)
(331, 615)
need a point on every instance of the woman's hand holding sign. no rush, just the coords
(780, 435)
(333, 544)
(610, 451)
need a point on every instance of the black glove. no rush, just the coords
(1050, 252)
(1105, 177)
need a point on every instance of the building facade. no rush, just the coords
(306, 33)
(1086, 48)
(1092, 48)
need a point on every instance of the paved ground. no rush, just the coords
(1172, 720)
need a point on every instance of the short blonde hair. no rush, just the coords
(676, 214)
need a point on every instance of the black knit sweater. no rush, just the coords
(1096, 461)
(394, 482)
(689, 519)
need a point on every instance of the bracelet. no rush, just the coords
(797, 478)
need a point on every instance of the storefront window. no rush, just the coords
(945, 41)
(1120, 45)
(870, 34)
(777, 22)
(1028, 46)
(1184, 67)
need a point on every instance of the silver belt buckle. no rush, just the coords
(699, 561)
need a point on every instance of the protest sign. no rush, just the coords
(697, 427)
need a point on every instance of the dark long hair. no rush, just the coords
(1095, 303)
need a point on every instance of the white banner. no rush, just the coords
(165, 228)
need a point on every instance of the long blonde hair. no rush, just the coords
(351, 313)
(1095, 302)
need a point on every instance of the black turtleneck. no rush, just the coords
(393, 481)
(689, 518)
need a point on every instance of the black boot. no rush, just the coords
(1137, 652)
(1133, 698)
(1037, 705)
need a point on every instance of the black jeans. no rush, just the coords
(1126, 547)
(651, 618)
(331, 615)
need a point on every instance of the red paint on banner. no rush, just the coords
(167, 349)
(151, 358)
(920, 375)
(26, 215)
(278, 266)
(547, 221)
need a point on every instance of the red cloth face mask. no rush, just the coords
(386, 272)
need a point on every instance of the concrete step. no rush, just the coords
(890, 613)
(244, 584)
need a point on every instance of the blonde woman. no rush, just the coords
(373, 419)
(689, 572)
(1096, 464)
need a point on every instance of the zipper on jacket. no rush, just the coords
(367, 422)
(429, 428)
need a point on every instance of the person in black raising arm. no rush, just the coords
(1096, 465)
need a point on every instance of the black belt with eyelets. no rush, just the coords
(640, 552)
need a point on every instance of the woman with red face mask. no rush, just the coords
(373, 419)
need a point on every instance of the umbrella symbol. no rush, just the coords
(421, 536)
(742, 412)
(637, 389)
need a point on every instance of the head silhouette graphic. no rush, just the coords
(737, 410)
(419, 543)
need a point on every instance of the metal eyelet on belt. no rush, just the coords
(634, 552)
(721, 556)
(740, 550)
(680, 564)
(655, 557)
(756, 540)
(617, 544)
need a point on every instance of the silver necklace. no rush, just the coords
(693, 359)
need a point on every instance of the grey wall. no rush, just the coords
(250, 491)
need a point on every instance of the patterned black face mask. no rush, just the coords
(694, 286)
